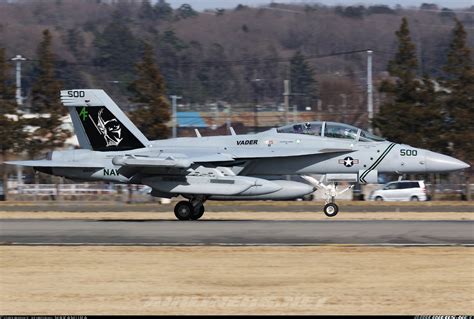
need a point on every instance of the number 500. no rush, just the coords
(404, 152)
(76, 93)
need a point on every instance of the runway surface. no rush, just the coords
(238, 232)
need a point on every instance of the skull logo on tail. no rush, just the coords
(110, 130)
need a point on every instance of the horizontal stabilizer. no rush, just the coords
(49, 163)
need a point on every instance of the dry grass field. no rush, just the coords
(241, 215)
(236, 280)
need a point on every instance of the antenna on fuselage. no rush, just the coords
(197, 133)
(232, 132)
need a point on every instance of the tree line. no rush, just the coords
(435, 113)
(97, 44)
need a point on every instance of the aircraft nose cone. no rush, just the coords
(436, 162)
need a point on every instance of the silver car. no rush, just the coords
(401, 191)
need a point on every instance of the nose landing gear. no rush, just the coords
(330, 208)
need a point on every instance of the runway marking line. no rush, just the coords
(240, 245)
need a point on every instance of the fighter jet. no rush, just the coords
(231, 167)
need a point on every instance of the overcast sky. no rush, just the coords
(210, 4)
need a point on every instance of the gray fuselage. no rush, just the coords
(354, 157)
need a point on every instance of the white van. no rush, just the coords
(401, 191)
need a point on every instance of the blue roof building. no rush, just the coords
(190, 119)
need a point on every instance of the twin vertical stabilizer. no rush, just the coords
(99, 124)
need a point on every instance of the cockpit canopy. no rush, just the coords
(330, 129)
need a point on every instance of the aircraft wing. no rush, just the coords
(186, 159)
(181, 160)
(335, 150)
(269, 152)
(172, 160)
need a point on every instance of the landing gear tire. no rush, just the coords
(331, 209)
(183, 210)
(198, 213)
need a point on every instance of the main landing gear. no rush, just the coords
(330, 208)
(189, 210)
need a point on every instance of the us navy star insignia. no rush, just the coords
(348, 161)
